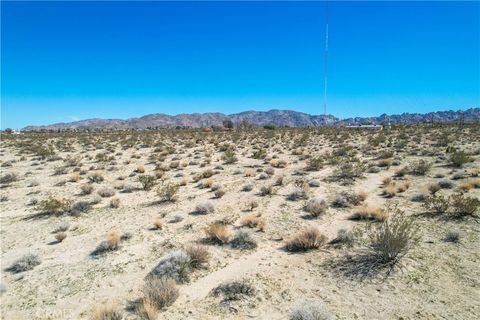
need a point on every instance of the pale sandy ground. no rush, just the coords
(438, 280)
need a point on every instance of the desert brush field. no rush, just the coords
(301, 224)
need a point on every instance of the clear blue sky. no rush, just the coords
(64, 61)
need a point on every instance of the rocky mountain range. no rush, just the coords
(278, 118)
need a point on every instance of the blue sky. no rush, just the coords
(64, 61)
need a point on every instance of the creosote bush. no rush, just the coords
(392, 239)
(168, 192)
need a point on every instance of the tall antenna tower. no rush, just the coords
(326, 60)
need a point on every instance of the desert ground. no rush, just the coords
(313, 223)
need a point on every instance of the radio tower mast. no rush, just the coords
(326, 60)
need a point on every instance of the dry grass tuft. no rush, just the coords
(109, 311)
(218, 233)
(308, 238)
(365, 212)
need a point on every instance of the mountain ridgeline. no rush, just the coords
(278, 118)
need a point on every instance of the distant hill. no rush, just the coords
(279, 118)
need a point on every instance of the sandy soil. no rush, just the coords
(435, 280)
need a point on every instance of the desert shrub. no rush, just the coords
(453, 236)
(157, 223)
(308, 238)
(243, 240)
(252, 205)
(109, 311)
(459, 158)
(229, 156)
(392, 239)
(433, 188)
(217, 233)
(204, 208)
(436, 203)
(315, 163)
(80, 207)
(463, 205)
(263, 176)
(297, 194)
(110, 244)
(60, 236)
(115, 203)
(219, 193)
(259, 154)
(310, 310)
(86, 188)
(234, 290)
(420, 167)
(176, 265)
(419, 197)
(168, 192)
(247, 187)
(62, 227)
(140, 169)
(266, 190)
(54, 204)
(159, 293)
(344, 237)
(96, 177)
(366, 212)
(468, 185)
(148, 182)
(8, 178)
(60, 170)
(253, 221)
(347, 172)
(347, 199)
(25, 263)
(316, 207)
(314, 183)
(446, 184)
(199, 256)
(106, 192)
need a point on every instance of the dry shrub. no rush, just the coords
(234, 290)
(86, 188)
(54, 204)
(308, 238)
(436, 203)
(392, 239)
(148, 182)
(110, 244)
(310, 310)
(219, 193)
(146, 309)
(366, 212)
(204, 208)
(157, 223)
(218, 233)
(316, 207)
(243, 240)
(464, 206)
(469, 184)
(109, 311)
(252, 205)
(75, 177)
(390, 190)
(266, 190)
(403, 186)
(60, 236)
(140, 169)
(253, 221)
(115, 203)
(25, 263)
(159, 293)
(249, 173)
(433, 188)
(199, 256)
(168, 192)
